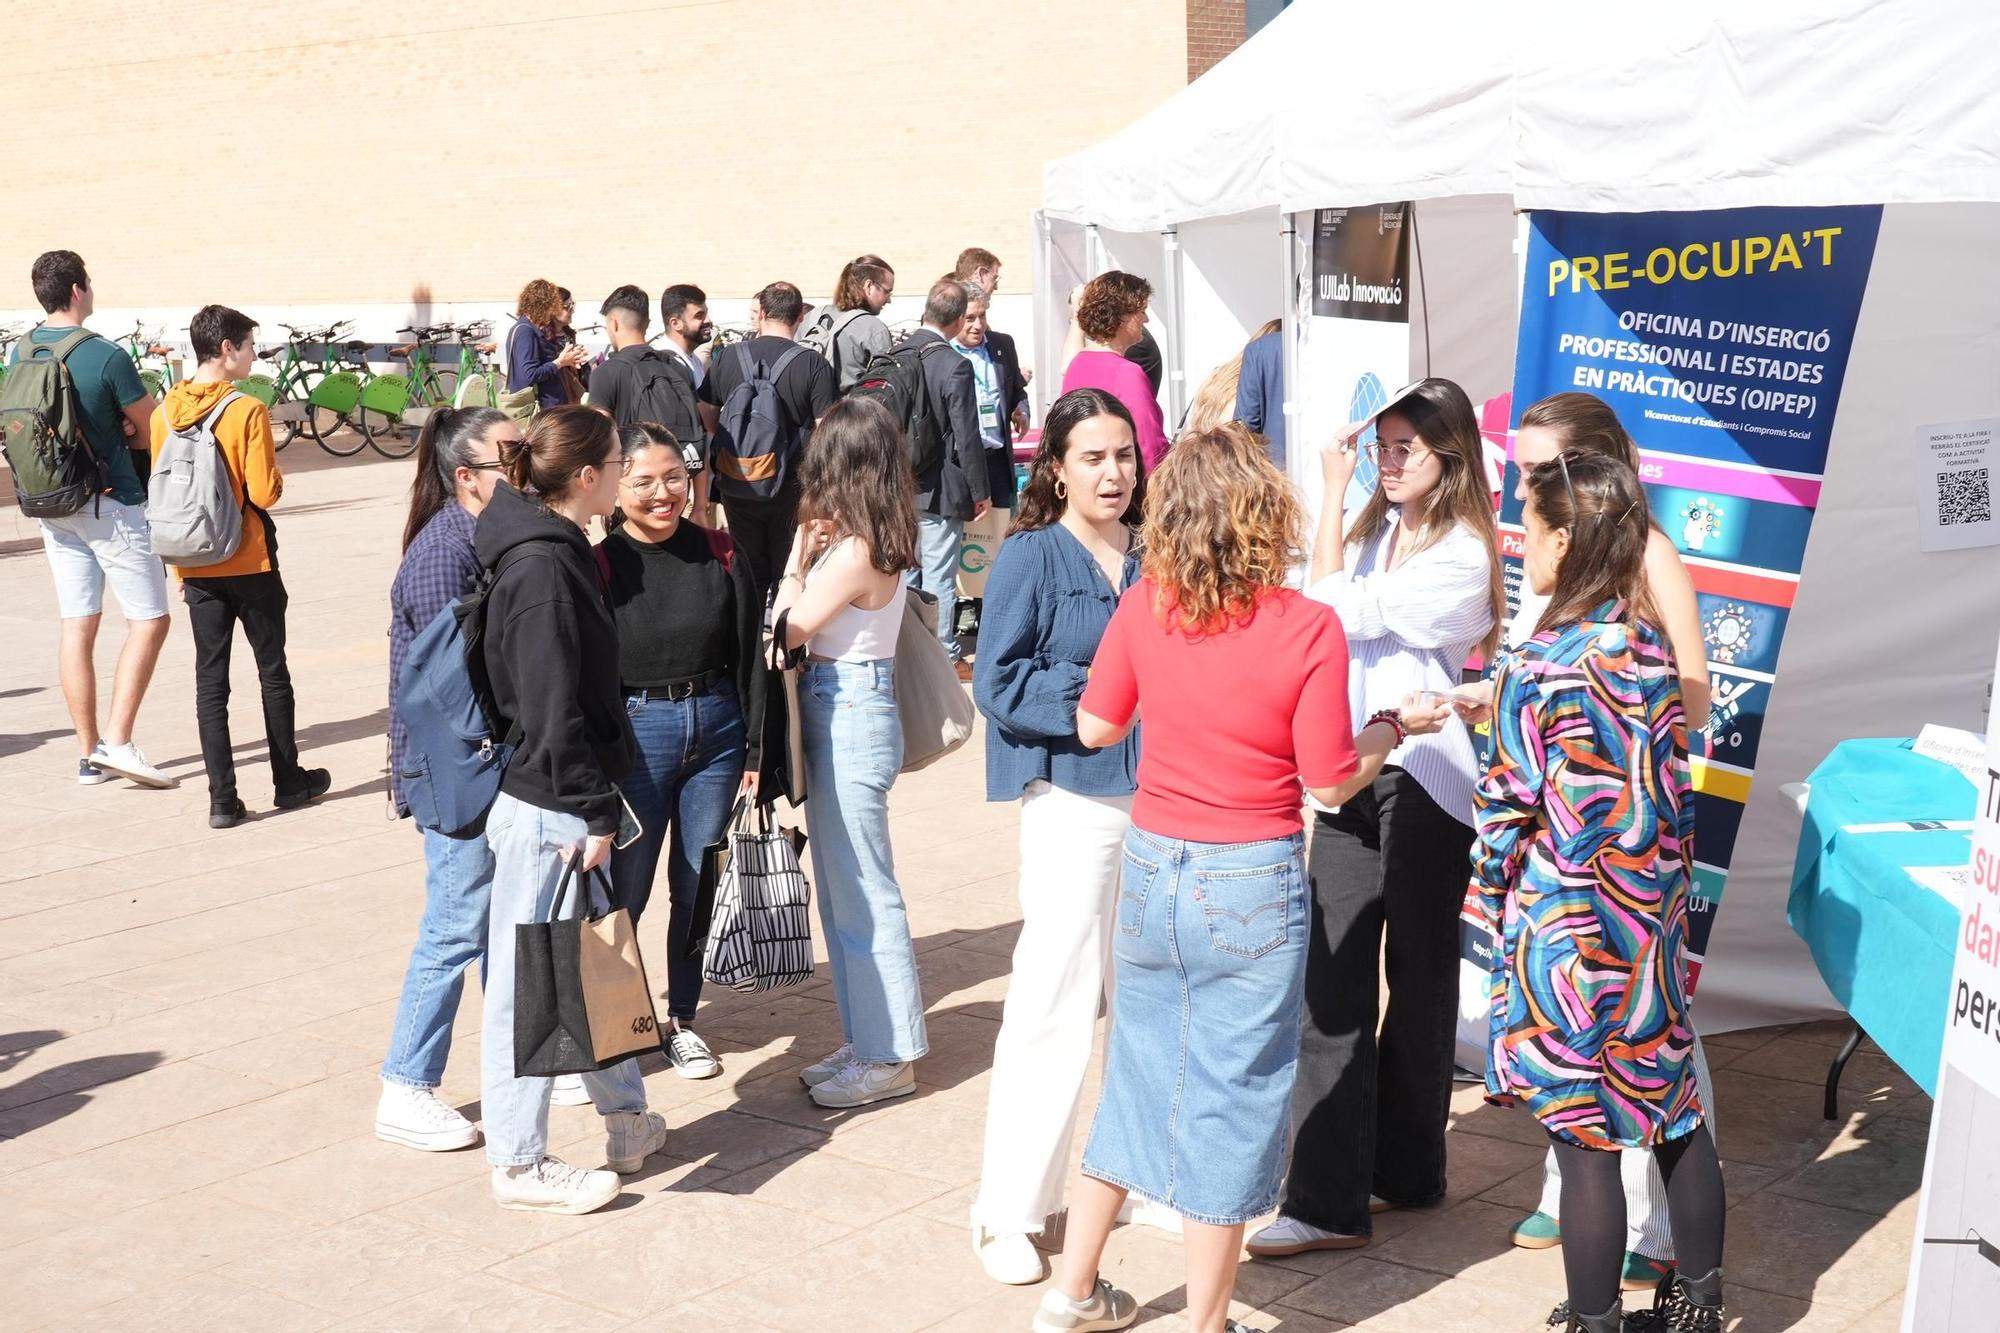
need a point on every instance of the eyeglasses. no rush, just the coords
(673, 481)
(494, 466)
(1397, 456)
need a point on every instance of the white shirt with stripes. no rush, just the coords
(1412, 628)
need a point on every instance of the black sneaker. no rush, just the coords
(1687, 1305)
(317, 780)
(226, 815)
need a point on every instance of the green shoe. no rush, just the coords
(1537, 1231)
(1643, 1273)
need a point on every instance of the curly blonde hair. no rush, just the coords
(1223, 528)
(541, 304)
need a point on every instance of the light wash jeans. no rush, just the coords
(458, 884)
(939, 541)
(1211, 960)
(854, 749)
(525, 840)
(1070, 847)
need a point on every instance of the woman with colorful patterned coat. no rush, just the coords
(1585, 842)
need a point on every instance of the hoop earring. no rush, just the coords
(1062, 489)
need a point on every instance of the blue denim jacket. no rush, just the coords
(1046, 608)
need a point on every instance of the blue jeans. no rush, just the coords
(939, 541)
(525, 840)
(1210, 951)
(854, 749)
(458, 882)
(689, 766)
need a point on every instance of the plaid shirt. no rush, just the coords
(439, 566)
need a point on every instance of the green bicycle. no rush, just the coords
(478, 373)
(311, 396)
(159, 369)
(9, 335)
(387, 401)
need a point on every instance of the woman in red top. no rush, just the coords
(1243, 686)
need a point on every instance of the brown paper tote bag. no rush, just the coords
(581, 1001)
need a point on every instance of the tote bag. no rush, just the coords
(784, 729)
(760, 937)
(581, 1002)
(931, 702)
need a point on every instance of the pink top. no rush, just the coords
(1229, 722)
(1126, 382)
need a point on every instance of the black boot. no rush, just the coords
(1569, 1321)
(1684, 1304)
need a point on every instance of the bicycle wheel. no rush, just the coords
(325, 425)
(390, 436)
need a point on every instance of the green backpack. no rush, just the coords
(56, 472)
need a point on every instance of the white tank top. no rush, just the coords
(859, 635)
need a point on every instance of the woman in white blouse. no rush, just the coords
(1417, 586)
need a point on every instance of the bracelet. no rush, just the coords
(1395, 720)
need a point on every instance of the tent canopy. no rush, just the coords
(1593, 107)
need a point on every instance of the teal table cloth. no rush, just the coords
(1882, 941)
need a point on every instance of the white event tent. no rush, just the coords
(1477, 112)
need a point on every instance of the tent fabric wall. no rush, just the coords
(1884, 637)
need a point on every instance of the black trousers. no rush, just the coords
(1369, 1114)
(215, 607)
(763, 531)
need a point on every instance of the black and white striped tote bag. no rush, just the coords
(761, 936)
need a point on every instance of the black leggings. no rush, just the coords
(1593, 1214)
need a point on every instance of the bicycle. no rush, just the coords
(311, 397)
(158, 377)
(478, 373)
(9, 335)
(386, 399)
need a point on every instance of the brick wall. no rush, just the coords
(292, 155)
(1214, 29)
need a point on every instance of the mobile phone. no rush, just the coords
(629, 827)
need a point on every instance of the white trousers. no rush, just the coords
(1070, 862)
(1646, 1228)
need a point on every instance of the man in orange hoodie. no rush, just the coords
(246, 587)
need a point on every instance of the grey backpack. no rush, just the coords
(191, 500)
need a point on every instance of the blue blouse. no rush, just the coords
(1046, 607)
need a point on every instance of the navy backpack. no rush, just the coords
(458, 744)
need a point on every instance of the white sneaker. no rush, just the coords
(1288, 1235)
(689, 1054)
(633, 1137)
(1011, 1259)
(126, 761)
(861, 1082)
(418, 1118)
(1136, 1211)
(1107, 1307)
(815, 1074)
(568, 1090)
(553, 1186)
(87, 775)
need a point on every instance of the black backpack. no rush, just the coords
(895, 379)
(755, 440)
(666, 395)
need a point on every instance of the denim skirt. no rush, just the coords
(1210, 951)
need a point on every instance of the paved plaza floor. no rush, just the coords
(191, 1021)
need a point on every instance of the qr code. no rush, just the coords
(1964, 497)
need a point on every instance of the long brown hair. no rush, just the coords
(857, 473)
(856, 274)
(1599, 499)
(1040, 505)
(562, 442)
(1223, 529)
(1445, 423)
(1583, 423)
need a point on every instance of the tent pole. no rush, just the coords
(1093, 251)
(1289, 265)
(1175, 325)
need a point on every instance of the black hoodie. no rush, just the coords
(552, 655)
